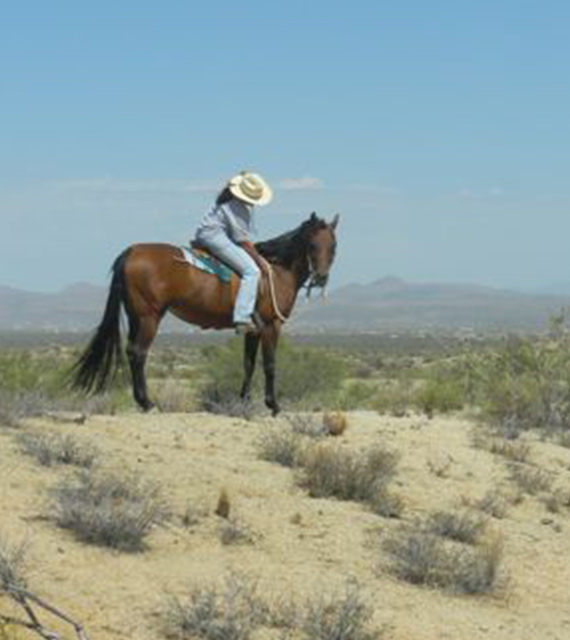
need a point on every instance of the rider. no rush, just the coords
(225, 230)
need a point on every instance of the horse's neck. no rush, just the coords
(288, 282)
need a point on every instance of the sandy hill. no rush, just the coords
(301, 546)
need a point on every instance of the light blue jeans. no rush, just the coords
(241, 262)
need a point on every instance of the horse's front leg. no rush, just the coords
(269, 339)
(251, 344)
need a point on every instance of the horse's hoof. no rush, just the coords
(275, 409)
(148, 406)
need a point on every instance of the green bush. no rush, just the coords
(304, 376)
(524, 384)
(439, 395)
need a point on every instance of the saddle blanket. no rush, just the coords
(207, 263)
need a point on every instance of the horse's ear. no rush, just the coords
(313, 217)
(335, 221)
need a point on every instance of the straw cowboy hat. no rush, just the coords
(251, 188)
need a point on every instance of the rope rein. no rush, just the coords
(272, 290)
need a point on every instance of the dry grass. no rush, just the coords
(50, 449)
(530, 480)
(172, 396)
(231, 614)
(108, 510)
(333, 473)
(237, 613)
(494, 503)
(233, 531)
(306, 424)
(513, 450)
(24, 612)
(285, 447)
(422, 558)
(463, 527)
(344, 617)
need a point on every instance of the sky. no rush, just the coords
(439, 130)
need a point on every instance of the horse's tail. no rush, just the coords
(103, 356)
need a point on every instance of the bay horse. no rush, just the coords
(150, 279)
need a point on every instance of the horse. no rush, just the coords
(150, 279)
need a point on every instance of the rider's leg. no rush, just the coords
(239, 260)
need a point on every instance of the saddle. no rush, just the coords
(199, 257)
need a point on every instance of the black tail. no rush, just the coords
(103, 357)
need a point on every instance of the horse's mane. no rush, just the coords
(284, 249)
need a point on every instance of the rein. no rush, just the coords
(272, 290)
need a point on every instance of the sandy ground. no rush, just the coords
(303, 546)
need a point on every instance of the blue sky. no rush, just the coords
(440, 131)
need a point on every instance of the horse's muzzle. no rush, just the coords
(320, 280)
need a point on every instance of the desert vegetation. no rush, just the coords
(25, 609)
(414, 462)
(237, 611)
(107, 509)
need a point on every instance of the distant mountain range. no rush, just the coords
(392, 304)
(388, 304)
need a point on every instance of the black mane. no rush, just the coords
(287, 247)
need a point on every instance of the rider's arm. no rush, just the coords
(248, 246)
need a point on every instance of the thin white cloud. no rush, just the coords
(301, 184)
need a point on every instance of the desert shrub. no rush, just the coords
(233, 531)
(12, 566)
(395, 397)
(237, 612)
(530, 480)
(344, 617)
(108, 510)
(306, 424)
(173, 397)
(51, 449)
(462, 527)
(358, 395)
(439, 395)
(283, 446)
(493, 503)
(329, 472)
(513, 450)
(231, 614)
(14, 588)
(191, 516)
(305, 376)
(33, 382)
(423, 558)
(18, 405)
(564, 439)
(525, 384)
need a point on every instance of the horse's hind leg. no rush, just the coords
(141, 334)
(251, 344)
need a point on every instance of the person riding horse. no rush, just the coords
(225, 231)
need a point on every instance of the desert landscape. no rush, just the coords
(384, 511)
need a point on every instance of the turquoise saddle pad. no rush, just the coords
(207, 263)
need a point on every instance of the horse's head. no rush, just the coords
(321, 249)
